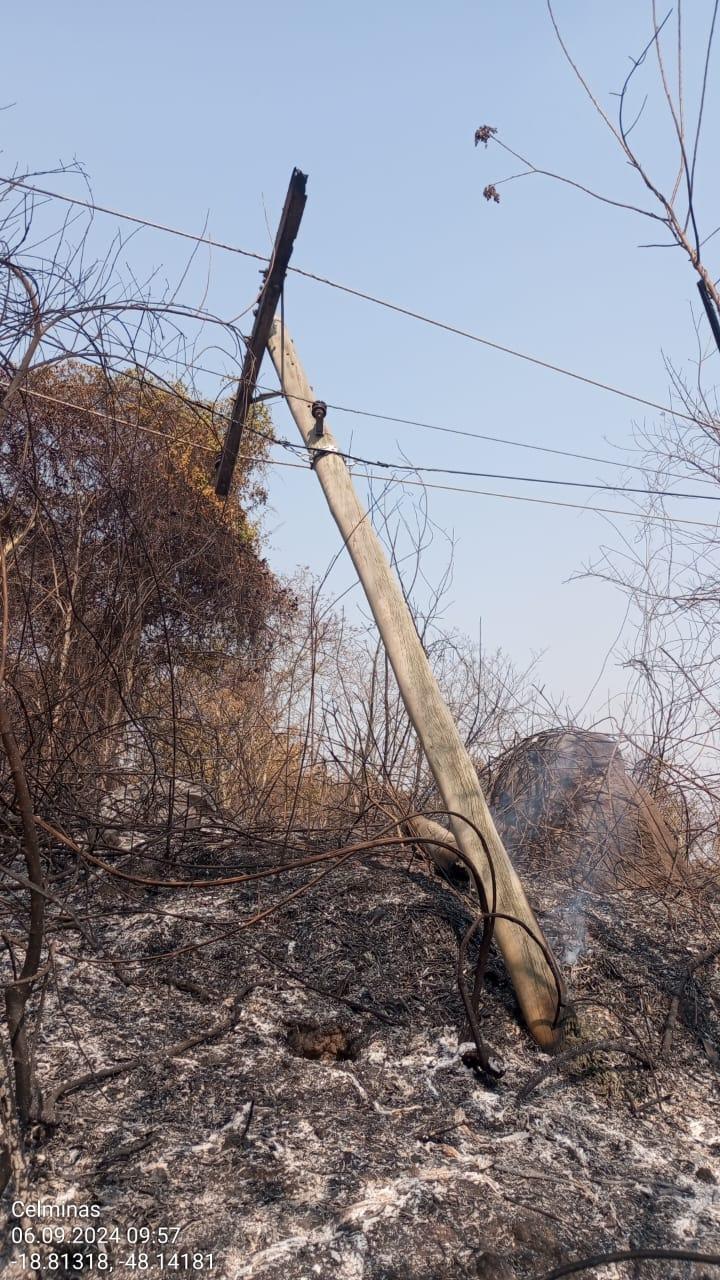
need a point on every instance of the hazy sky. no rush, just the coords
(181, 112)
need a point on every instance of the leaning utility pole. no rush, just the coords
(447, 756)
(290, 219)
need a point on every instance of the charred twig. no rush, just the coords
(704, 958)
(247, 1121)
(534, 1208)
(579, 1051)
(188, 987)
(127, 1149)
(358, 1006)
(123, 1068)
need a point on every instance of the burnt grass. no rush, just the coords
(332, 1129)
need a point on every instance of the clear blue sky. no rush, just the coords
(180, 111)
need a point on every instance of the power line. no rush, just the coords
(418, 468)
(122, 422)
(406, 422)
(131, 217)
(496, 475)
(386, 417)
(357, 293)
(499, 439)
(434, 426)
(476, 435)
(545, 502)
(369, 475)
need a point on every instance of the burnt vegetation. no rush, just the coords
(240, 969)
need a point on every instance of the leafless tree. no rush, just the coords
(674, 207)
(670, 716)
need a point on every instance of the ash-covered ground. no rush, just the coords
(330, 1128)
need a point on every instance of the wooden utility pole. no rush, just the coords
(447, 756)
(267, 305)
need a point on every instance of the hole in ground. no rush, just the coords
(326, 1043)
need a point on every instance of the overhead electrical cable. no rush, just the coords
(403, 479)
(415, 467)
(358, 293)
(408, 422)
